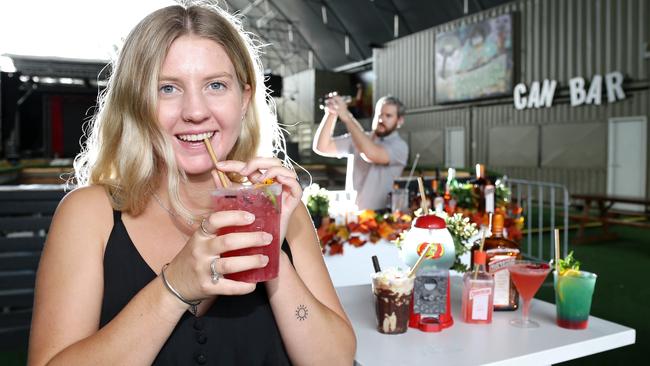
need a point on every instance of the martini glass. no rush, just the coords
(527, 276)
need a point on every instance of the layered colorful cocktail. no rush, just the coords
(573, 292)
(265, 202)
(527, 276)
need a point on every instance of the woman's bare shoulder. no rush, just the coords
(91, 198)
(85, 209)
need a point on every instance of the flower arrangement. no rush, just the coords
(317, 202)
(370, 226)
(463, 231)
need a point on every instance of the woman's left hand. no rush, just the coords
(258, 169)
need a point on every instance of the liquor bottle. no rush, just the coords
(478, 186)
(501, 252)
(478, 292)
(450, 202)
(438, 201)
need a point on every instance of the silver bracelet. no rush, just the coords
(192, 303)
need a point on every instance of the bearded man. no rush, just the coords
(376, 157)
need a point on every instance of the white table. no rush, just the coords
(465, 344)
(354, 266)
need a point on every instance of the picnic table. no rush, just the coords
(607, 215)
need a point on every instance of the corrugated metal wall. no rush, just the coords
(555, 39)
(296, 108)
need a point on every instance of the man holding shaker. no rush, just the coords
(379, 155)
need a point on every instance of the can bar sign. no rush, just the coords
(542, 94)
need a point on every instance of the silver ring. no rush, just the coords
(213, 270)
(205, 231)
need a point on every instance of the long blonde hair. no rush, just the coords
(125, 151)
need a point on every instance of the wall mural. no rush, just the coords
(475, 60)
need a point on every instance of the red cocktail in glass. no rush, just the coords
(527, 276)
(265, 202)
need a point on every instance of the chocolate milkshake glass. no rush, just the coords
(393, 290)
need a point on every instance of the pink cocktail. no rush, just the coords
(527, 276)
(265, 202)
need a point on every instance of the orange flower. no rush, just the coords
(336, 248)
(356, 241)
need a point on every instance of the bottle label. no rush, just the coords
(500, 262)
(479, 292)
(498, 266)
(489, 198)
(480, 299)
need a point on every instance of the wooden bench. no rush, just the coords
(25, 215)
(607, 216)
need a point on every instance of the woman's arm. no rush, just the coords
(69, 290)
(306, 308)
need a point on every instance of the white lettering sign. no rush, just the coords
(538, 96)
(542, 95)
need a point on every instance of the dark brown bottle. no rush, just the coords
(501, 252)
(479, 184)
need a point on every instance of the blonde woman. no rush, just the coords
(184, 73)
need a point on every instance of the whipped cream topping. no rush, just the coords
(394, 280)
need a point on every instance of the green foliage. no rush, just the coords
(569, 262)
(317, 201)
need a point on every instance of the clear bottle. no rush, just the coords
(478, 292)
(500, 252)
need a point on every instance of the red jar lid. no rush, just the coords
(430, 222)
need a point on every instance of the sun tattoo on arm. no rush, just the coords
(301, 312)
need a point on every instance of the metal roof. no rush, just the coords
(328, 34)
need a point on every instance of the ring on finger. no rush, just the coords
(213, 270)
(203, 229)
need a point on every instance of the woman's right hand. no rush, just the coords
(190, 273)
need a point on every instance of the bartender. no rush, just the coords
(378, 156)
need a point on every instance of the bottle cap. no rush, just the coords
(480, 257)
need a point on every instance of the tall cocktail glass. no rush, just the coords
(527, 276)
(573, 292)
(265, 202)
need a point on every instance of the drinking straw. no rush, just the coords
(419, 261)
(557, 250)
(415, 163)
(423, 197)
(222, 177)
(375, 263)
(480, 249)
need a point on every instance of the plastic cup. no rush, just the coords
(393, 291)
(400, 200)
(265, 202)
(573, 294)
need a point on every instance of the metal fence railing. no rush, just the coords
(531, 196)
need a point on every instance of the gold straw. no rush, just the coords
(557, 250)
(420, 260)
(222, 177)
(423, 197)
